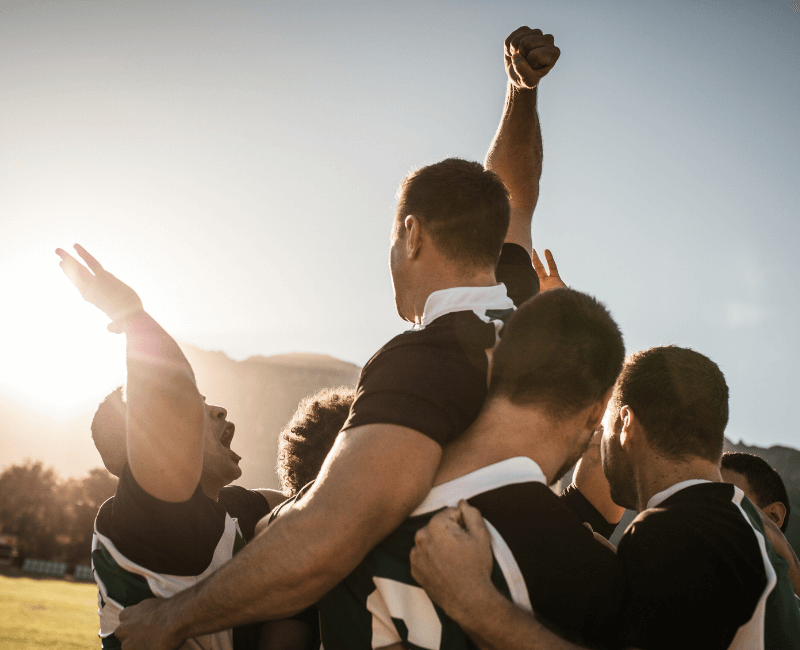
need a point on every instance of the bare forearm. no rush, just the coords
(165, 412)
(497, 624)
(516, 156)
(272, 577)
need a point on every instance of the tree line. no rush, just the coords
(53, 518)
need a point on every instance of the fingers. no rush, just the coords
(91, 262)
(74, 270)
(473, 521)
(514, 38)
(551, 264)
(537, 265)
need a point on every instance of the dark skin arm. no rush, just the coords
(307, 551)
(515, 154)
(165, 410)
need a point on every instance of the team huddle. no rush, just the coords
(417, 510)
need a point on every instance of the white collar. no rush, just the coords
(519, 469)
(659, 498)
(477, 299)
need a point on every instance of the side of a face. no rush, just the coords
(399, 268)
(617, 465)
(220, 462)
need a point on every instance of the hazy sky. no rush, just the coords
(236, 163)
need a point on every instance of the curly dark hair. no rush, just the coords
(307, 438)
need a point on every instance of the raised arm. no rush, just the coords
(165, 410)
(308, 550)
(516, 151)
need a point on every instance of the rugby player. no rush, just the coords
(551, 379)
(422, 389)
(172, 520)
(698, 569)
(760, 483)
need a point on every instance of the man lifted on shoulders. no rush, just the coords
(422, 389)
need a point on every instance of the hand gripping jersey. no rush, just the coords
(144, 548)
(535, 535)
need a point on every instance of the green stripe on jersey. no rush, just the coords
(782, 616)
(379, 603)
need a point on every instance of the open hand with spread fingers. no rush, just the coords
(529, 56)
(99, 287)
(547, 280)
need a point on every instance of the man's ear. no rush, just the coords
(628, 426)
(777, 512)
(413, 236)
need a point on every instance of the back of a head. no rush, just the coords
(462, 205)
(109, 432)
(681, 399)
(561, 350)
(307, 438)
(765, 483)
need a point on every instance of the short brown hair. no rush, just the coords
(307, 438)
(464, 207)
(561, 349)
(681, 399)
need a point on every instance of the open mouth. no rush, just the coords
(227, 435)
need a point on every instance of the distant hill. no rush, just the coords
(261, 394)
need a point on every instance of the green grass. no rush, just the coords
(47, 614)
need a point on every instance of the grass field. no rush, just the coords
(47, 614)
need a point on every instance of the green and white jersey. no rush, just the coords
(533, 533)
(776, 620)
(699, 573)
(144, 548)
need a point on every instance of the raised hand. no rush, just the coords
(551, 280)
(99, 287)
(529, 56)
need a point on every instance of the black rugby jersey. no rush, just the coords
(700, 575)
(433, 378)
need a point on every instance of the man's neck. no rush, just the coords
(445, 276)
(503, 431)
(659, 474)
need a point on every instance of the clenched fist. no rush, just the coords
(529, 56)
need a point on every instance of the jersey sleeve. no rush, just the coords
(586, 512)
(515, 270)
(246, 506)
(427, 388)
(165, 537)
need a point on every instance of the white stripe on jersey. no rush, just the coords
(750, 636)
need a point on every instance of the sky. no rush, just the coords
(236, 163)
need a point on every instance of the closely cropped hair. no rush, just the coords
(680, 397)
(462, 205)
(561, 349)
(308, 437)
(765, 482)
(109, 432)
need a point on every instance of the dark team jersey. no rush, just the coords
(433, 378)
(700, 574)
(144, 547)
(544, 560)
